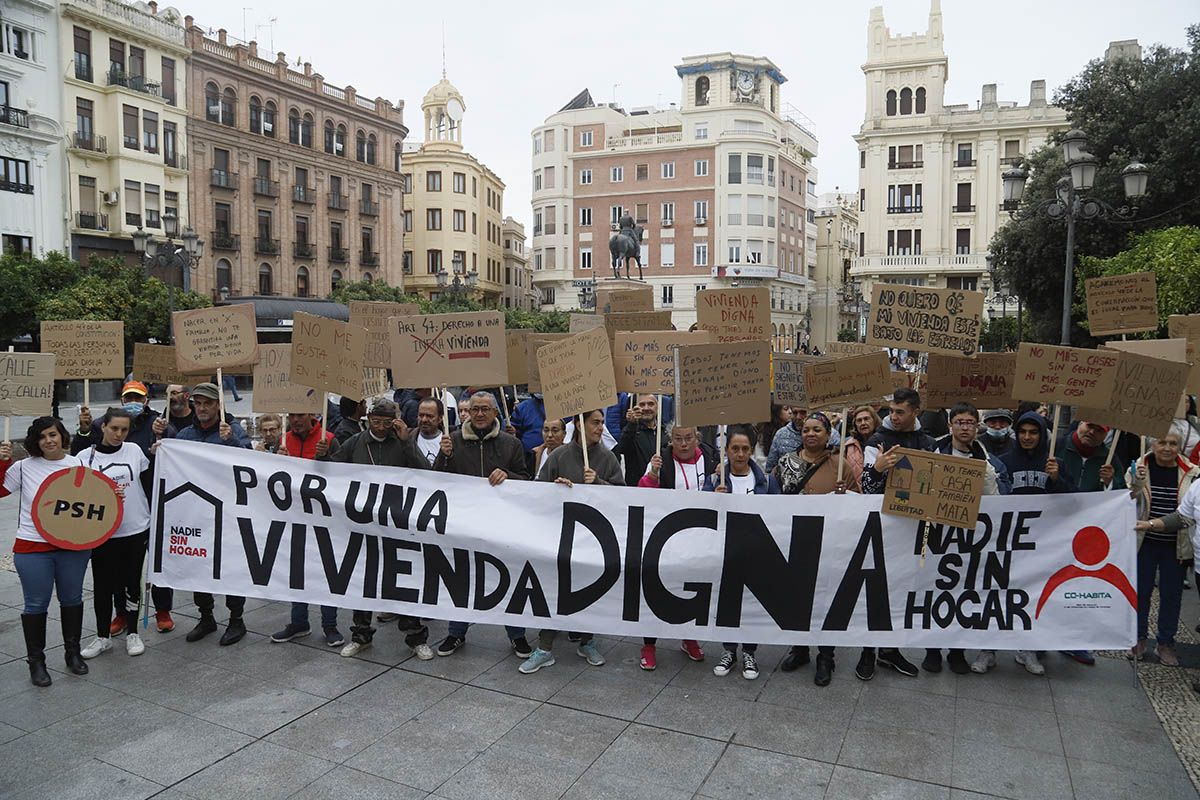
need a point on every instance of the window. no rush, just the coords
(433, 219)
(701, 167)
(302, 282)
(700, 254)
(116, 57)
(222, 218)
(755, 204)
(168, 80)
(133, 203)
(735, 251)
(862, 199)
(129, 126)
(862, 159)
(474, 187)
(264, 279)
(963, 198)
(150, 131)
(14, 176)
(862, 244)
(585, 177)
(615, 213)
(360, 146)
(255, 115)
(170, 149)
(171, 205)
(667, 254)
(920, 100)
(408, 225)
(460, 183)
(460, 220)
(904, 198)
(701, 130)
(585, 258)
(668, 295)
(585, 138)
(668, 169)
(433, 181)
(642, 172)
(754, 251)
(550, 140)
(300, 232)
(962, 241)
(754, 169)
(905, 101)
(702, 90)
(668, 212)
(329, 136)
(153, 209)
(15, 245)
(1012, 152)
(474, 222)
(965, 157)
(335, 278)
(537, 180)
(228, 108)
(83, 54)
(585, 216)
(84, 122)
(616, 174)
(407, 263)
(811, 187)
(641, 213)
(891, 102)
(366, 240)
(263, 218)
(735, 209)
(335, 236)
(137, 62)
(433, 262)
(339, 141)
(735, 168)
(537, 143)
(701, 207)
(549, 176)
(965, 283)
(906, 156)
(224, 275)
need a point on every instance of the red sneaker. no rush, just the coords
(117, 627)
(165, 623)
(649, 657)
(692, 648)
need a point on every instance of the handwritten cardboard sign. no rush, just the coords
(935, 488)
(77, 508)
(373, 316)
(1122, 303)
(986, 380)
(327, 354)
(1187, 326)
(585, 322)
(534, 340)
(843, 349)
(374, 382)
(624, 299)
(933, 320)
(636, 321)
(273, 387)
(723, 384)
(787, 378)
(222, 336)
(902, 380)
(735, 315)
(155, 363)
(85, 349)
(1144, 398)
(645, 362)
(518, 359)
(1053, 373)
(1170, 349)
(26, 384)
(577, 374)
(462, 349)
(845, 381)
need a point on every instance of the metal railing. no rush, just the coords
(14, 116)
(368, 208)
(93, 143)
(266, 247)
(964, 162)
(92, 221)
(905, 164)
(905, 209)
(137, 83)
(304, 194)
(265, 186)
(223, 179)
(175, 160)
(369, 259)
(961, 207)
(338, 202)
(339, 255)
(223, 240)
(304, 249)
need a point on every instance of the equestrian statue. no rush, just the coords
(626, 244)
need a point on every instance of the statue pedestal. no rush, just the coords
(607, 287)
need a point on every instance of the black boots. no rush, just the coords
(72, 630)
(234, 632)
(824, 672)
(34, 626)
(204, 627)
(796, 658)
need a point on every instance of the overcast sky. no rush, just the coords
(517, 63)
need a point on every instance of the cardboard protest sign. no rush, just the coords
(273, 387)
(902, 379)
(1187, 326)
(85, 349)
(155, 363)
(77, 508)
(1170, 349)
(624, 299)
(222, 336)
(464, 349)
(327, 354)
(644, 362)
(933, 320)
(636, 321)
(1144, 398)
(518, 359)
(374, 382)
(843, 349)
(374, 316)
(787, 378)
(723, 384)
(1122, 303)
(935, 488)
(986, 380)
(735, 315)
(577, 374)
(26, 384)
(534, 340)
(585, 322)
(845, 381)
(1052, 373)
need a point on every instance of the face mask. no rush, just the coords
(134, 408)
(999, 433)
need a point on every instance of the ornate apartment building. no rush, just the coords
(835, 304)
(519, 291)
(296, 183)
(723, 184)
(930, 173)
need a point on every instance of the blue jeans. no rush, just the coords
(459, 629)
(1159, 557)
(300, 616)
(60, 570)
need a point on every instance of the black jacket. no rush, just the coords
(637, 445)
(884, 439)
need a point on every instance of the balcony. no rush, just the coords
(265, 187)
(136, 83)
(223, 179)
(83, 72)
(266, 247)
(965, 162)
(304, 250)
(1011, 161)
(368, 208)
(131, 143)
(338, 202)
(153, 219)
(224, 240)
(92, 144)
(133, 219)
(367, 259)
(921, 265)
(961, 208)
(14, 116)
(303, 194)
(905, 209)
(175, 161)
(905, 164)
(91, 221)
(339, 255)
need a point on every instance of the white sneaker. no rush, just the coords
(96, 646)
(1029, 660)
(352, 649)
(984, 661)
(134, 645)
(422, 651)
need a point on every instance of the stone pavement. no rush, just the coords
(265, 721)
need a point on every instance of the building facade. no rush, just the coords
(32, 162)
(519, 291)
(125, 102)
(835, 304)
(453, 208)
(930, 188)
(296, 183)
(723, 184)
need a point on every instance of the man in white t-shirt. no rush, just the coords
(429, 428)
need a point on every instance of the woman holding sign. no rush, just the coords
(42, 566)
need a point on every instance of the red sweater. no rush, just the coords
(306, 447)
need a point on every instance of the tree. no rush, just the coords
(378, 291)
(1002, 333)
(1148, 110)
(847, 335)
(1172, 254)
(26, 281)
(541, 321)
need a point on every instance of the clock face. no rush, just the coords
(745, 81)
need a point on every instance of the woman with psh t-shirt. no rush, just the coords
(41, 566)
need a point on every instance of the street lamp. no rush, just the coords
(462, 285)
(169, 256)
(1070, 204)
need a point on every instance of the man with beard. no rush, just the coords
(179, 407)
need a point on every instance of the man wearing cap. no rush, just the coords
(996, 435)
(209, 428)
(385, 443)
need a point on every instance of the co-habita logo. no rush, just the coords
(1090, 547)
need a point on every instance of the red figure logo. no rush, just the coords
(1090, 548)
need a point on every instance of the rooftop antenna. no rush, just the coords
(443, 49)
(244, 10)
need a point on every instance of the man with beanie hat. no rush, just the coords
(997, 435)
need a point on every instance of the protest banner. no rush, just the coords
(581, 323)
(577, 374)
(373, 316)
(533, 341)
(1052, 373)
(1187, 326)
(985, 379)
(77, 508)
(845, 381)
(1145, 395)
(327, 354)
(644, 362)
(155, 363)
(843, 349)
(26, 385)
(919, 318)
(723, 384)
(735, 315)
(85, 349)
(828, 569)
(935, 488)
(273, 387)
(636, 321)
(210, 338)
(623, 299)
(787, 378)
(1122, 304)
(462, 349)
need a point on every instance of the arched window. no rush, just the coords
(905, 101)
(371, 149)
(339, 143)
(229, 108)
(212, 102)
(302, 282)
(367, 277)
(399, 151)
(268, 119)
(294, 126)
(328, 136)
(891, 102)
(255, 115)
(702, 90)
(334, 279)
(921, 100)
(224, 275)
(306, 130)
(360, 146)
(264, 279)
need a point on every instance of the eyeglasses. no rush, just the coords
(479, 409)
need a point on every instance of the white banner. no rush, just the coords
(1038, 572)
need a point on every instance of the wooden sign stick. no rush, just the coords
(842, 446)
(1113, 447)
(220, 394)
(582, 441)
(1054, 429)
(7, 420)
(658, 426)
(722, 434)
(445, 411)
(504, 402)
(87, 393)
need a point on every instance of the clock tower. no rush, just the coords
(725, 80)
(443, 108)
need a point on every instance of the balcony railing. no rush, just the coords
(223, 179)
(338, 202)
(153, 219)
(339, 255)
(224, 240)
(175, 160)
(961, 207)
(266, 187)
(14, 116)
(964, 162)
(133, 219)
(1011, 161)
(905, 209)
(91, 221)
(304, 194)
(304, 249)
(368, 208)
(83, 72)
(137, 83)
(266, 247)
(369, 259)
(93, 143)
(16, 186)
(131, 142)
(905, 164)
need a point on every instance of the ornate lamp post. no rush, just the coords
(459, 289)
(169, 256)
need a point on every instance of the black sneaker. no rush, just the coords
(521, 647)
(932, 661)
(449, 645)
(573, 636)
(866, 665)
(203, 628)
(824, 671)
(892, 658)
(958, 662)
(796, 658)
(234, 632)
(290, 632)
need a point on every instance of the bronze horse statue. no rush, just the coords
(626, 244)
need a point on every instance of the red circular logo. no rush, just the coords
(77, 508)
(1090, 545)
